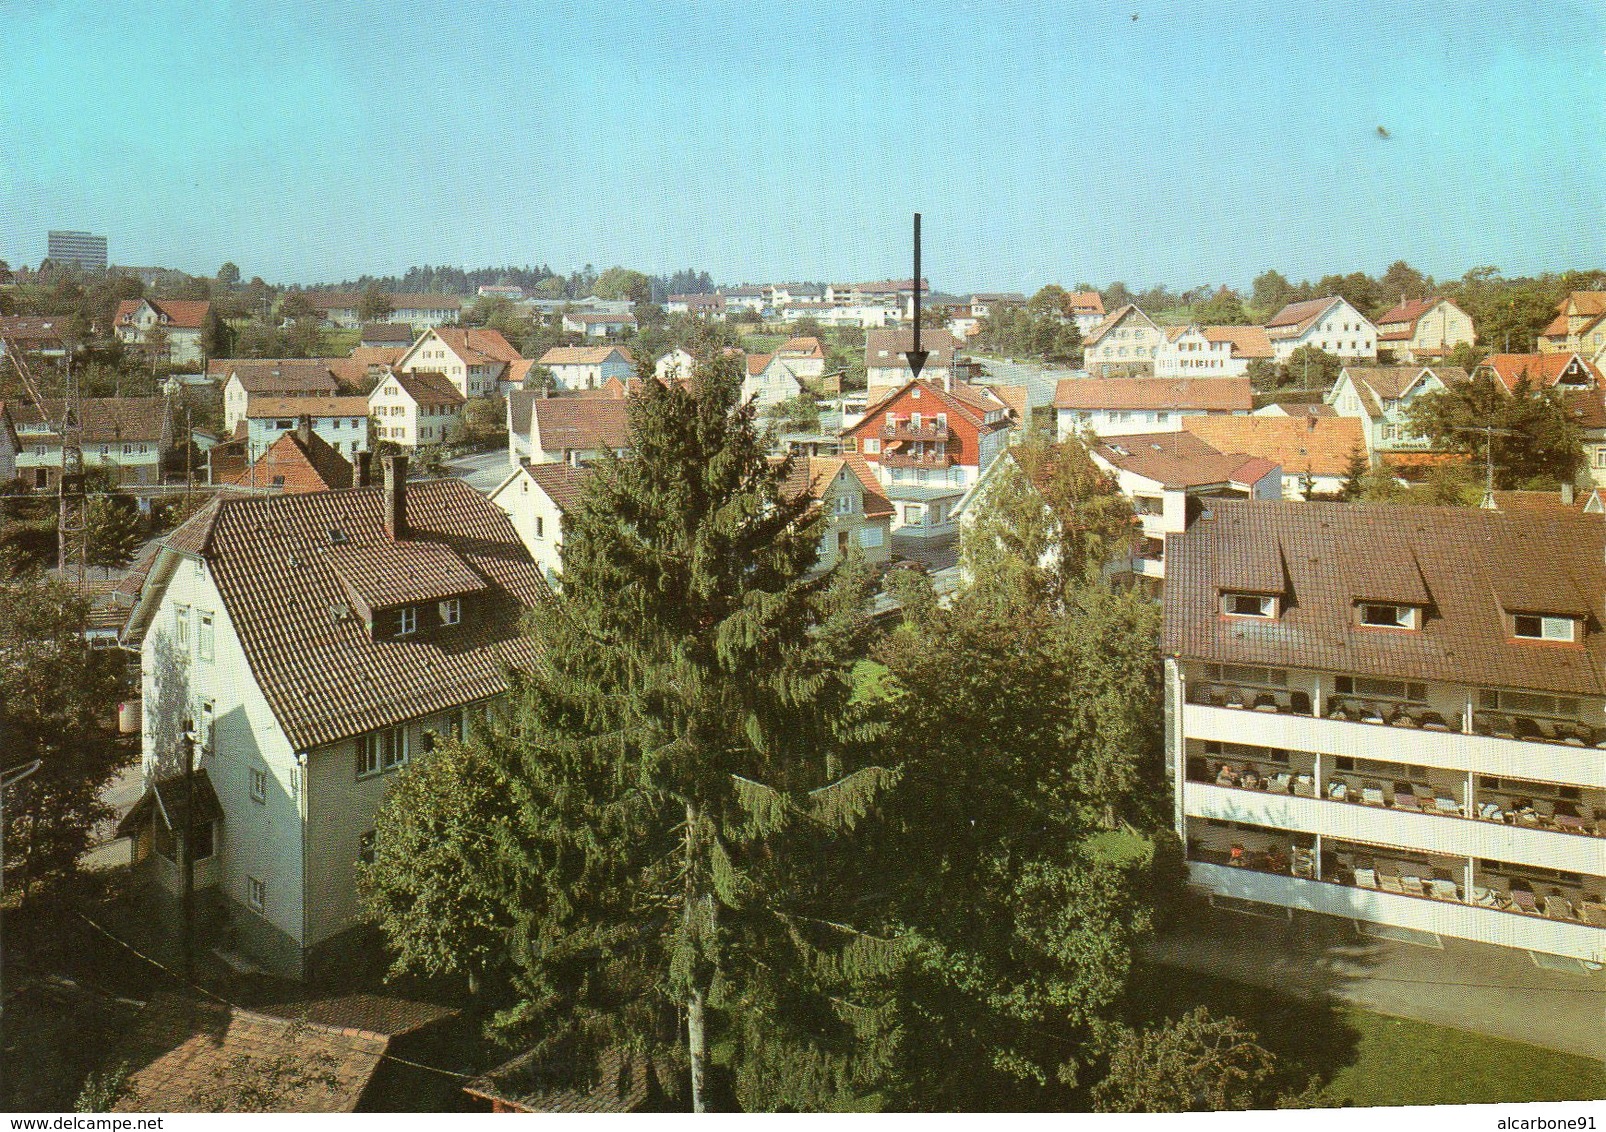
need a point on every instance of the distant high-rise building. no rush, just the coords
(86, 250)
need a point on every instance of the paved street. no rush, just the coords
(1468, 986)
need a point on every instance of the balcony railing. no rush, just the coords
(917, 460)
(1381, 712)
(903, 430)
(1497, 807)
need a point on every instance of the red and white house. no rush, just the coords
(928, 445)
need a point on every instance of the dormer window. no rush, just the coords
(451, 611)
(1248, 605)
(1382, 616)
(406, 620)
(1536, 627)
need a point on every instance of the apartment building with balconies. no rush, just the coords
(1394, 715)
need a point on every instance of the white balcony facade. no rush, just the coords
(1483, 925)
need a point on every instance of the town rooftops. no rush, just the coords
(477, 347)
(572, 423)
(427, 387)
(1180, 460)
(886, 349)
(1403, 318)
(299, 460)
(395, 332)
(261, 407)
(758, 363)
(1470, 568)
(184, 1053)
(814, 475)
(276, 375)
(1210, 394)
(564, 484)
(103, 420)
(183, 314)
(1540, 370)
(286, 567)
(583, 355)
(1089, 302)
(620, 1082)
(1247, 341)
(1296, 318)
(25, 329)
(1323, 446)
(806, 347)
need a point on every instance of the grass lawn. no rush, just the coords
(1374, 1059)
(1400, 1062)
(762, 343)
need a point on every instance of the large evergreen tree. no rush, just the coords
(683, 789)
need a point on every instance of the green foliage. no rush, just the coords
(1224, 308)
(373, 305)
(56, 696)
(1198, 1063)
(102, 1089)
(796, 414)
(228, 274)
(297, 305)
(1310, 367)
(484, 422)
(1545, 446)
(115, 529)
(1049, 519)
(442, 813)
(622, 283)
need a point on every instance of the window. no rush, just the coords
(451, 611)
(1537, 628)
(1529, 702)
(869, 537)
(259, 784)
(203, 634)
(365, 848)
(381, 751)
(1386, 689)
(407, 620)
(1390, 616)
(1148, 504)
(1600, 458)
(181, 626)
(256, 894)
(1248, 605)
(873, 445)
(205, 726)
(846, 503)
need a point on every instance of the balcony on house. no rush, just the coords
(920, 458)
(1510, 903)
(908, 430)
(1568, 721)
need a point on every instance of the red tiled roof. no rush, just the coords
(325, 675)
(1541, 370)
(757, 364)
(102, 420)
(428, 388)
(582, 355)
(478, 347)
(1090, 301)
(260, 407)
(806, 347)
(876, 504)
(1471, 566)
(1247, 341)
(564, 484)
(184, 1054)
(1180, 460)
(622, 1082)
(1319, 445)
(299, 466)
(1295, 317)
(277, 375)
(885, 349)
(578, 423)
(185, 314)
(1212, 394)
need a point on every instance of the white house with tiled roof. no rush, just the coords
(1210, 351)
(1420, 330)
(1382, 397)
(535, 497)
(317, 642)
(1125, 344)
(587, 367)
(179, 322)
(1331, 325)
(1114, 406)
(769, 380)
(127, 437)
(416, 408)
(341, 421)
(474, 360)
(244, 378)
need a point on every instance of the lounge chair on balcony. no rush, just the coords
(1304, 786)
(1526, 729)
(1524, 899)
(1234, 698)
(1405, 797)
(1488, 811)
(1372, 794)
(1279, 782)
(1367, 878)
(1593, 913)
(1443, 889)
(1500, 726)
(1446, 804)
(1390, 883)
(1338, 707)
(1265, 702)
(1432, 721)
(1577, 735)
(1401, 717)
(1299, 703)
(1413, 886)
(1338, 790)
(1371, 713)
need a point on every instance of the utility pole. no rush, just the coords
(1489, 433)
(187, 848)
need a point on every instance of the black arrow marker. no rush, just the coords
(917, 357)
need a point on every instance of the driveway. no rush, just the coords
(1464, 985)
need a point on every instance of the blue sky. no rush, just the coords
(1201, 142)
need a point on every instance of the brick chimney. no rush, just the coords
(304, 430)
(396, 497)
(365, 471)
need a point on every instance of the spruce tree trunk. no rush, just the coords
(696, 1030)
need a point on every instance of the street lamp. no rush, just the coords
(7, 778)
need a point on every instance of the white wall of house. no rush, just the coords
(346, 435)
(1194, 355)
(536, 518)
(1343, 332)
(401, 420)
(776, 384)
(572, 376)
(1122, 422)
